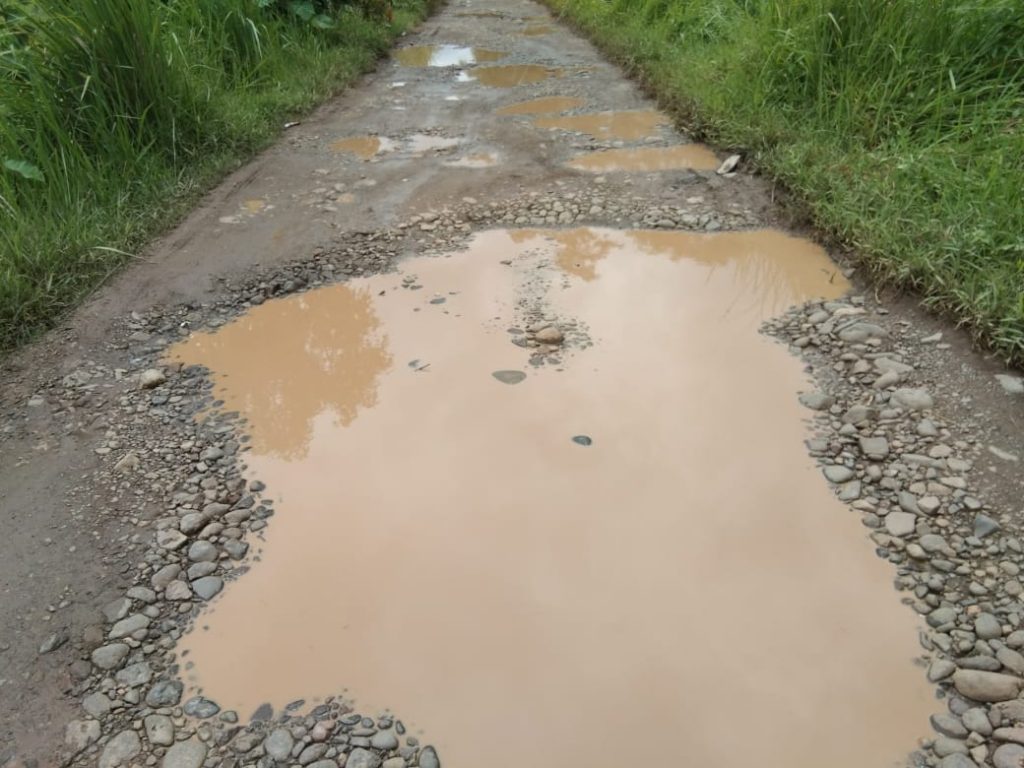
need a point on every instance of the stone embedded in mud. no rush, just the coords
(159, 730)
(208, 587)
(79, 734)
(509, 377)
(166, 693)
(986, 686)
(120, 750)
(549, 335)
(110, 656)
(151, 378)
(185, 754)
(363, 758)
(201, 707)
(913, 399)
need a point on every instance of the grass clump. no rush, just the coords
(900, 125)
(115, 115)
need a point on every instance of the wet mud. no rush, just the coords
(511, 75)
(621, 554)
(542, 106)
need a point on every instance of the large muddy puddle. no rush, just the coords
(627, 125)
(644, 159)
(622, 557)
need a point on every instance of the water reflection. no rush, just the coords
(286, 362)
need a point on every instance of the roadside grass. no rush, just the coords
(899, 126)
(115, 117)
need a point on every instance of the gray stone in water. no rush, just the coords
(582, 440)
(836, 473)
(816, 401)
(208, 587)
(202, 708)
(120, 749)
(428, 758)
(940, 669)
(278, 745)
(505, 377)
(185, 754)
(949, 725)
(363, 758)
(984, 525)
(263, 713)
(166, 693)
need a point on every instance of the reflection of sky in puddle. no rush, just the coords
(444, 56)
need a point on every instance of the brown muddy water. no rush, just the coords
(685, 585)
(444, 55)
(630, 125)
(364, 147)
(511, 75)
(542, 106)
(537, 30)
(693, 156)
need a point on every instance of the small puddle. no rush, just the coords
(542, 106)
(622, 557)
(364, 147)
(444, 55)
(694, 156)
(629, 126)
(510, 75)
(537, 30)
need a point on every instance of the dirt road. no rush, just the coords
(472, 423)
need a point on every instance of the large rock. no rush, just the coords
(166, 693)
(913, 399)
(159, 730)
(128, 626)
(900, 523)
(120, 750)
(986, 686)
(185, 754)
(208, 587)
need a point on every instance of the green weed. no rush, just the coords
(897, 124)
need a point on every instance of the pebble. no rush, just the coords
(1012, 385)
(96, 704)
(384, 740)
(836, 473)
(428, 758)
(364, 758)
(121, 748)
(913, 399)
(201, 708)
(986, 686)
(79, 734)
(1008, 756)
(185, 754)
(900, 523)
(507, 377)
(956, 760)
(166, 693)
(134, 675)
(152, 377)
(278, 744)
(208, 587)
(110, 656)
(159, 730)
(984, 525)
(987, 627)
(129, 626)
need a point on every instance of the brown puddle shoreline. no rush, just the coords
(445, 550)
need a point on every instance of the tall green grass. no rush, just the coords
(115, 115)
(899, 124)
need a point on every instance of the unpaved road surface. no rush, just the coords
(480, 422)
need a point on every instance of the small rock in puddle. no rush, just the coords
(263, 713)
(509, 377)
(582, 440)
(439, 300)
